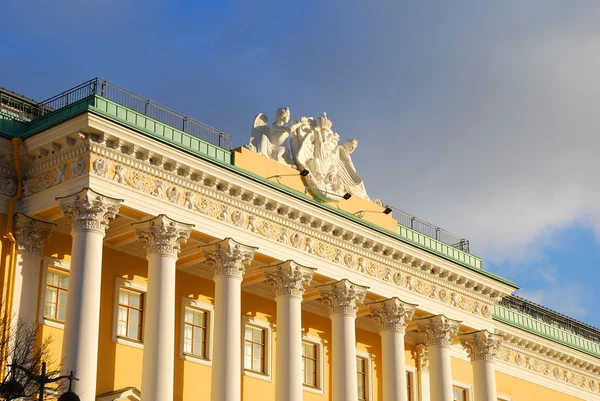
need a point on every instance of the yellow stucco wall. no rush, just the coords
(120, 365)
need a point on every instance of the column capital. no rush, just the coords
(163, 235)
(392, 314)
(228, 257)
(343, 296)
(438, 330)
(288, 278)
(421, 358)
(32, 234)
(88, 209)
(481, 345)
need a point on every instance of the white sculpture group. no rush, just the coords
(314, 146)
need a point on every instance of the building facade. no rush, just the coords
(166, 266)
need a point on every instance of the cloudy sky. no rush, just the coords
(479, 116)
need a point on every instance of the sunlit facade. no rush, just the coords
(167, 266)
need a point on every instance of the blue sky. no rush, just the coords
(482, 116)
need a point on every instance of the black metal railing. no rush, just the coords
(16, 107)
(140, 104)
(430, 230)
(550, 317)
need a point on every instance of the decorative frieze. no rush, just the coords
(228, 257)
(481, 345)
(289, 278)
(32, 234)
(438, 330)
(163, 235)
(89, 210)
(343, 296)
(392, 314)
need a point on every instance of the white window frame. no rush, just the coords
(368, 357)
(268, 327)
(209, 310)
(412, 371)
(58, 265)
(467, 387)
(504, 397)
(320, 348)
(134, 286)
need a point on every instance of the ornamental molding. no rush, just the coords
(288, 278)
(421, 357)
(343, 297)
(549, 363)
(481, 345)
(89, 210)
(32, 234)
(392, 314)
(163, 235)
(438, 330)
(158, 173)
(228, 257)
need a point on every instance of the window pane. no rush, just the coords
(189, 315)
(135, 300)
(257, 336)
(62, 311)
(121, 328)
(52, 278)
(187, 332)
(51, 294)
(50, 310)
(187, 346)
(248, 335)
(123, 297)
(64, 280)
(62, 297)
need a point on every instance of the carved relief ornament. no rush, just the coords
(438, 330)
(343, 296)
(228, 257)
(289, 278)
(89, 210)
(32, 234)
(481, 345)
(162, 235)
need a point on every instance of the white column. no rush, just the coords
(228, 260)
(439, 331)
(481, 347)
(288, 280)
(393, 315)
(423, 382)
(31, 237)
(342, 298)
(162, 238)
(88, 213)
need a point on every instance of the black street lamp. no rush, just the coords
(13, 388)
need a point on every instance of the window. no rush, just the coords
(194, 332)
(256, 342)
(361, 377)
(129, 320)
(128, 312)
(462, 392)
(309, 364)
(55, 300)
(411, 384)
(52, 302)
(254, 349)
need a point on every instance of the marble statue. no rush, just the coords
(271, 141)
(314, 146)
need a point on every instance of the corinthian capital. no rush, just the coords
(228, 257)
(89, 210)
(163, 235)
(392, 314)
(288, 278)
(438, 330)
(481, 345)
(32, 234)
(343, 296)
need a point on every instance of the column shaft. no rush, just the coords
(343, 351)
(159, 331)
(484, 380)
(227, 349)
(393, 365)
(80, 341)
(26, 284)
(440, 373)
(288, 377)
(481, 347)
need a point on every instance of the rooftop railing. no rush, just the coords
(550, 317)
(430, 230)
(115, 93)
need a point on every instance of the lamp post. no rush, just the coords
(15, 389)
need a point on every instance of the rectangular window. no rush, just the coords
(460, 394)
(194, 332)
(55, 301)
(254, 349)
(309, 364)
(129, 319)
(409, 387)
(361, 376)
